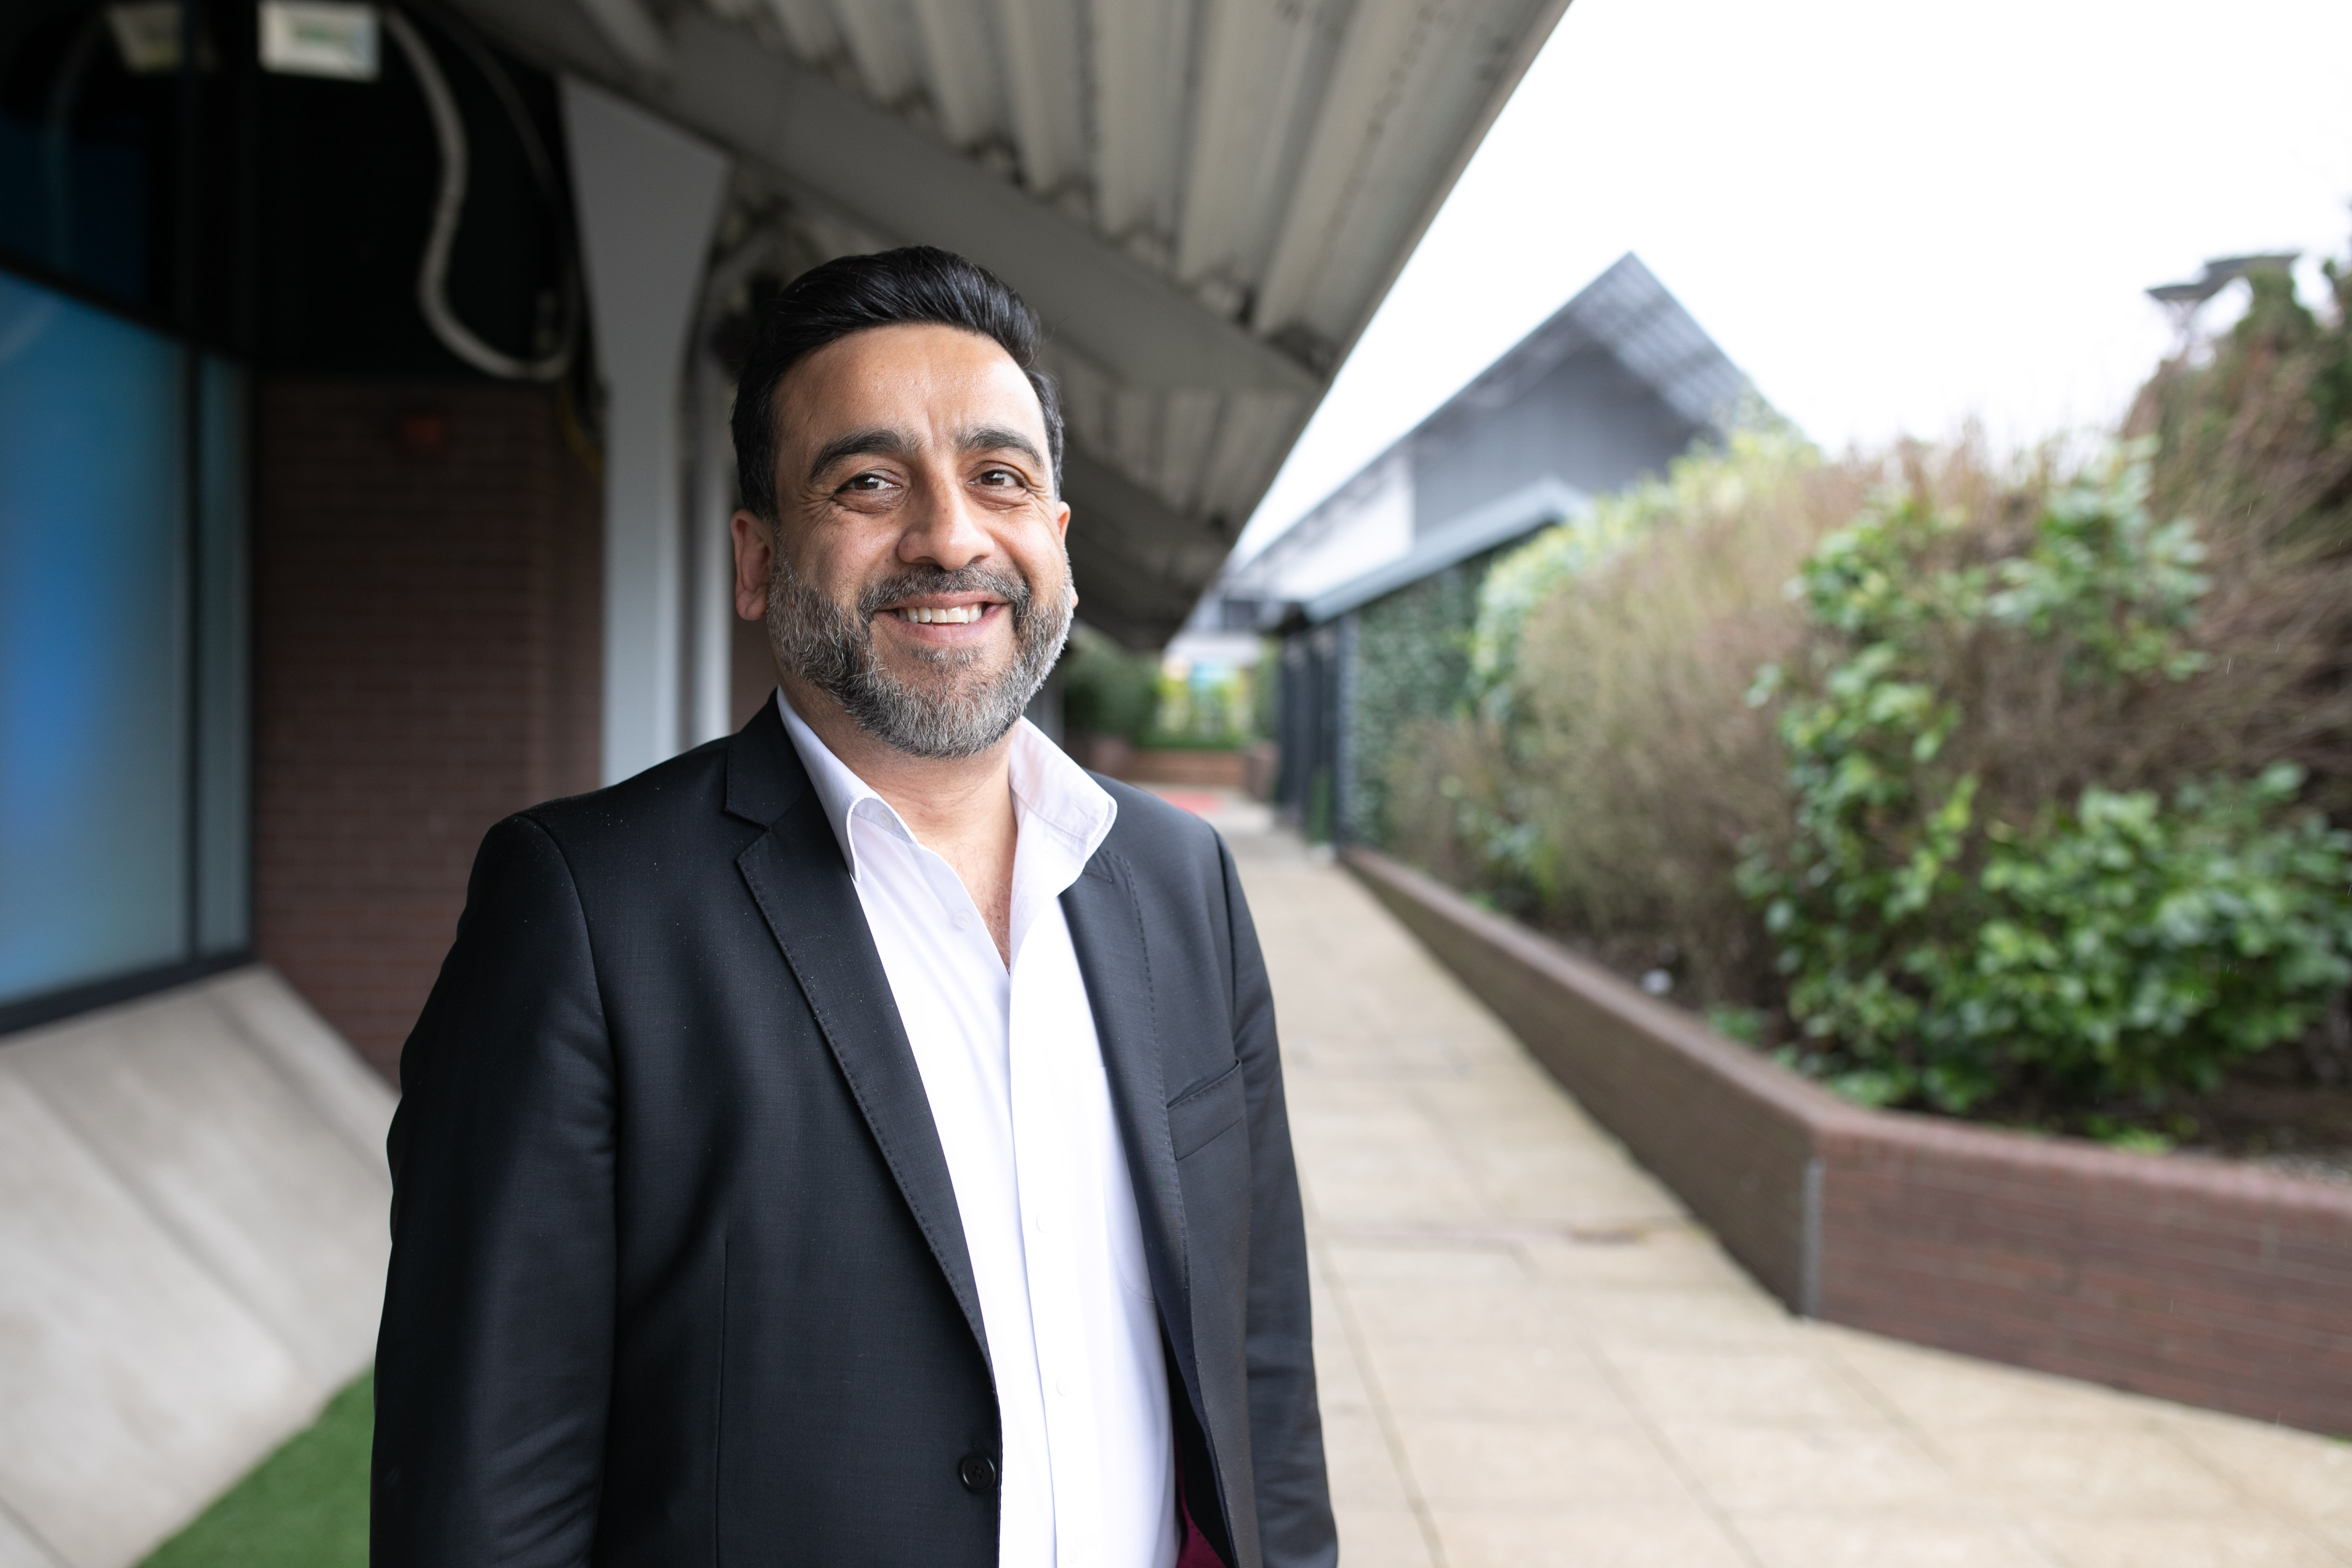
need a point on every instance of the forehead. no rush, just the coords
(919, 378)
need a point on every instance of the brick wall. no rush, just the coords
(2198, 1281)
(2207, 1282)
(427, 583)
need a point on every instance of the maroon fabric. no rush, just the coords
(1196, 1552)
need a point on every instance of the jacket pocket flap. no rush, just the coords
(1204, 1112)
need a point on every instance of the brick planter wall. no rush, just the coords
(1195, 770)
(2202, 1281)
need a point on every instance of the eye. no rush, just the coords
(1001, 477)
(867, 482)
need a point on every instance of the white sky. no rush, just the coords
(1893, 217)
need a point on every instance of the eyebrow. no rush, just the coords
(886, 443)
(860, 444)
(997, 438)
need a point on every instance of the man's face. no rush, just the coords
(916, 571)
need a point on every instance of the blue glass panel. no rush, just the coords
(224, 722)
(93, 821)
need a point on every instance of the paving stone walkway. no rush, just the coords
(1531, 1355)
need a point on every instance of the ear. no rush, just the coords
(1062, 531)
(755, 562)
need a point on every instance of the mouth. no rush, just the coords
(943, 613)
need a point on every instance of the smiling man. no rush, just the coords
(861, 1140)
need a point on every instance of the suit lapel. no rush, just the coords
(1107, 930)
(797, 877)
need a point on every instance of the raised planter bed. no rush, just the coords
(1201, 769)
(1195, 770)
(2199, 1280)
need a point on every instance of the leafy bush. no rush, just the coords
(1265, 692)
(1602, 773)
(1205, 708)
(2256, 441)
(1105, 690)
(1704, 483)
(1410, 668)
(2039, 811)
(1934, 949)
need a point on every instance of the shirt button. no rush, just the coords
(1037, 1223)
(1062, 1386)
(962, 920)
(977, 1472)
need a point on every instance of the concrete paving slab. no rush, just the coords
(2219, 1541)
(134, 1385)
(1533, 1355)
(1765, 1387)
(1489, 1464)
(193, 1207)
(18, 1547)
(1480, 1378)
(1384, 1537)
(240, 1165)
(1866, 1470)
(1840, 1540)
(2284, 1469)
(340, 1088)
(1584, 1538)
(2102, 1471)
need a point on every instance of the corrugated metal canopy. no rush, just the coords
(1206, 199)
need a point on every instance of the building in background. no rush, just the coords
(1372, 594)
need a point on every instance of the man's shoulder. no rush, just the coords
(1155, 836)
(684, 796)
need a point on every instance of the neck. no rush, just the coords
(960, 807)
(938, 797)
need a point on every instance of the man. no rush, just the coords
(859, 1140)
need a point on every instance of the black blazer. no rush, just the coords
(677, 1274)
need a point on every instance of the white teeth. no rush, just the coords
(954, 614)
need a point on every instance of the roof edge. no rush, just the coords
(1522, 511)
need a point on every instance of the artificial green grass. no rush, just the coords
(306, 1506)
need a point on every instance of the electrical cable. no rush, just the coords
(56, 137)
(432, 269)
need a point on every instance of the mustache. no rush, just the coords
(917, 582)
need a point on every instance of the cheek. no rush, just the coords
(839, 557)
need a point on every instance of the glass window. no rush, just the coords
(121, 828)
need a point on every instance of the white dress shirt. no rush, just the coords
(1014, 1075)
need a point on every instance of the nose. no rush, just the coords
(942, 528)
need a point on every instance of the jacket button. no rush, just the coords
(978, 1473)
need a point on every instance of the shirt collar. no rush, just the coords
(1049, 791)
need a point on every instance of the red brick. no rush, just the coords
(426, 660)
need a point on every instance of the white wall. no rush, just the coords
(648, 197)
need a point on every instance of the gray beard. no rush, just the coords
(961, 711)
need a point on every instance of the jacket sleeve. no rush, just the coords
(1294, 1500)
(494, 1362)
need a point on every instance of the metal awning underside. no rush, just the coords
(1205, 199)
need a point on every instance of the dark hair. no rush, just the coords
(920, 284)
